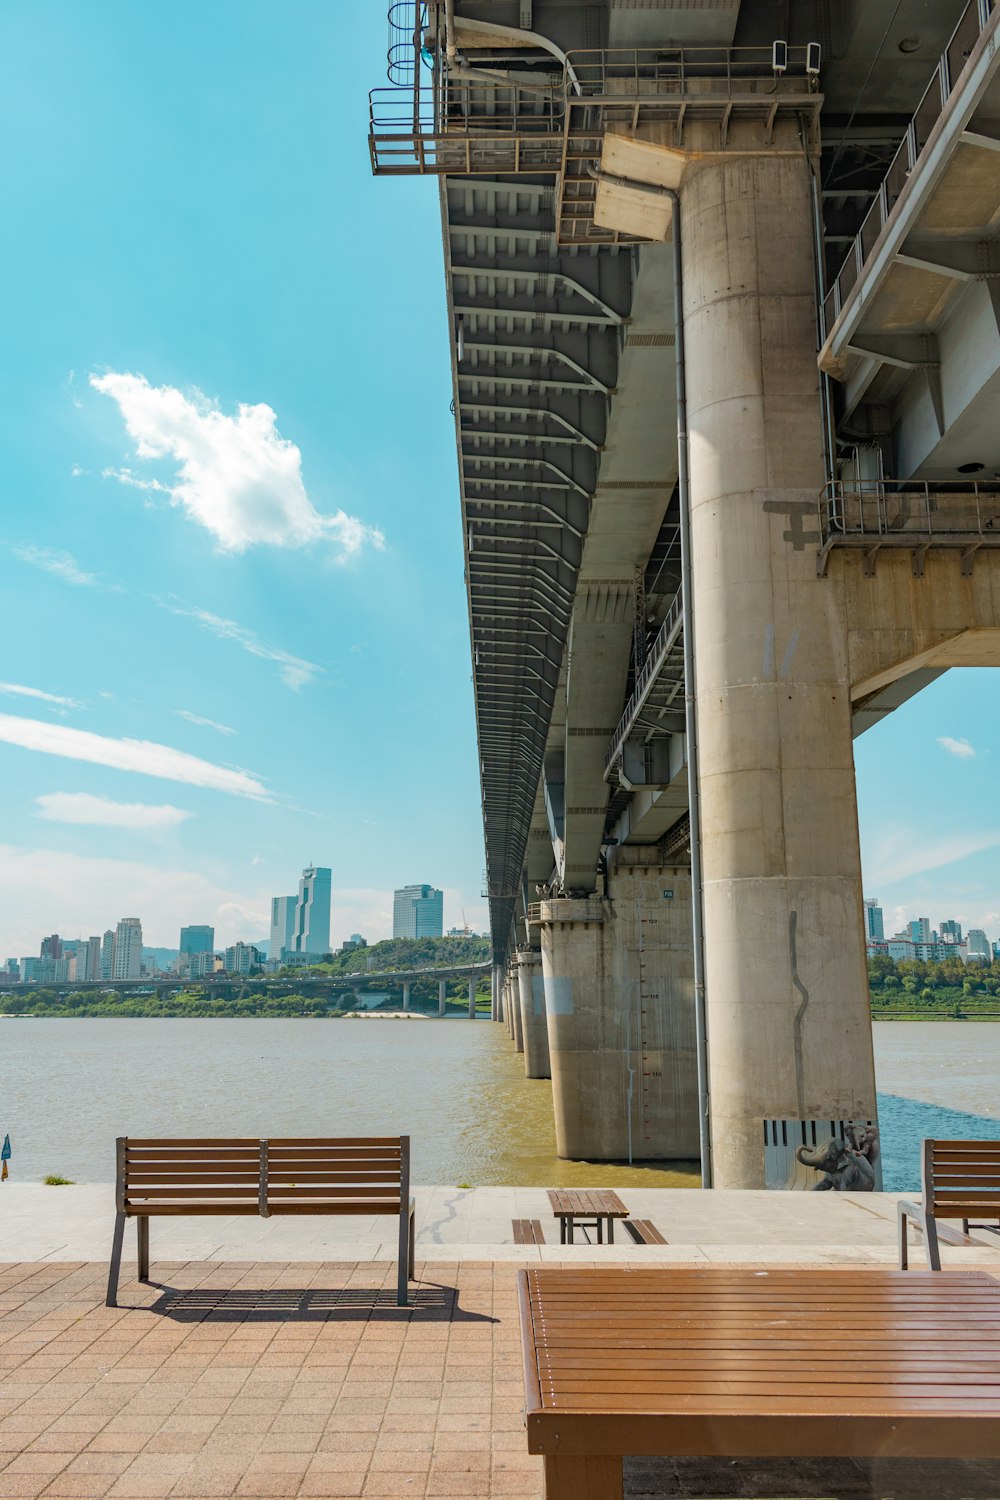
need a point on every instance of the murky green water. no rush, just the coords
(68, 1088)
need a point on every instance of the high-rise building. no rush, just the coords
(311, 932)
(243, 958)
(920, 930)
(874, 925)
(88, 959)
(127, 956)
(12, 968)
(51, 947)
(979, 947)
(417, 911)
(197, 939)
(951, 931)
(108, 955)
(282, 924)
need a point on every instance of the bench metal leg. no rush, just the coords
(404, 1256)
(116, 1261)
(611, 1231)
(600, 1231)
(142, 1234)
(590, 1478)
(931, 1240)
(413, 1238)
(903, 1218)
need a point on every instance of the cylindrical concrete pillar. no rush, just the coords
(472, 999)
(532, 1005)
(619, 1003)
(515, 1009)
(497, 999)
(442, 991)
(789, 1034)
(406, 994)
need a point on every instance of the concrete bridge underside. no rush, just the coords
(839, 557)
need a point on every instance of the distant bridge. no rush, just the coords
(231, 985)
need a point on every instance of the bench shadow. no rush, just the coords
(429, 1303)
(811, 1479)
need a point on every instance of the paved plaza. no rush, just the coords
(453, 1224)
(262, 1362)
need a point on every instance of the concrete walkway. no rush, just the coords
(74, 1224)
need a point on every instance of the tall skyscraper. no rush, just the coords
(979, 947)
(51, 947)
(282, 924)
(312, 911)
(920, 930)
(127, 960)
(88, 959)
(197, 939)
(417, 911)
(874, 925)
(951, 931)
(108, 955)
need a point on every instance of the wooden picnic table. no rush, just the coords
(784, 1363)
(591, 1209)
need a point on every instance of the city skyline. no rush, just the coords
(254, 697)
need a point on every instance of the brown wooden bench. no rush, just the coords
(528, 1232)
(644, 1232)
(961, 1180)
(284, 1175)
(742, 1363)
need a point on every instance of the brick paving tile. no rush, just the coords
(200, 1401)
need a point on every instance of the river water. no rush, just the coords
(69, 1087)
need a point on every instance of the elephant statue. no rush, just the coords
(847, 1167)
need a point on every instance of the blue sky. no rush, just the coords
(229, 532)
(189, 203)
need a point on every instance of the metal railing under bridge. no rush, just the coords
(951, 65)
(912, 514)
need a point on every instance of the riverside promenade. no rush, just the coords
(268, 1358)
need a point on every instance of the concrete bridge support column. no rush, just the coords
(508, 1008)
(442, 992)
(534, 1029)
(406, 994)
(789, 1033)
(517, 1026)
(472, 999)
(497, 996)
(619, 1004)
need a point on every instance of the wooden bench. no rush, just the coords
(961, 1180)
(588, 1208)
(528, 1232)
(285, 1175)
(644, 1232)
(741, 1363)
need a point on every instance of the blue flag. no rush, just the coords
(5, 1153)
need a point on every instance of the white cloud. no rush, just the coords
(184, 713)
(60, 564)
(30, 692)
(45, 890)
(125, 476)
(236, 476)
(81, 807)
(143, 756)
(902, 853)
(295, 672)
(961, 748)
